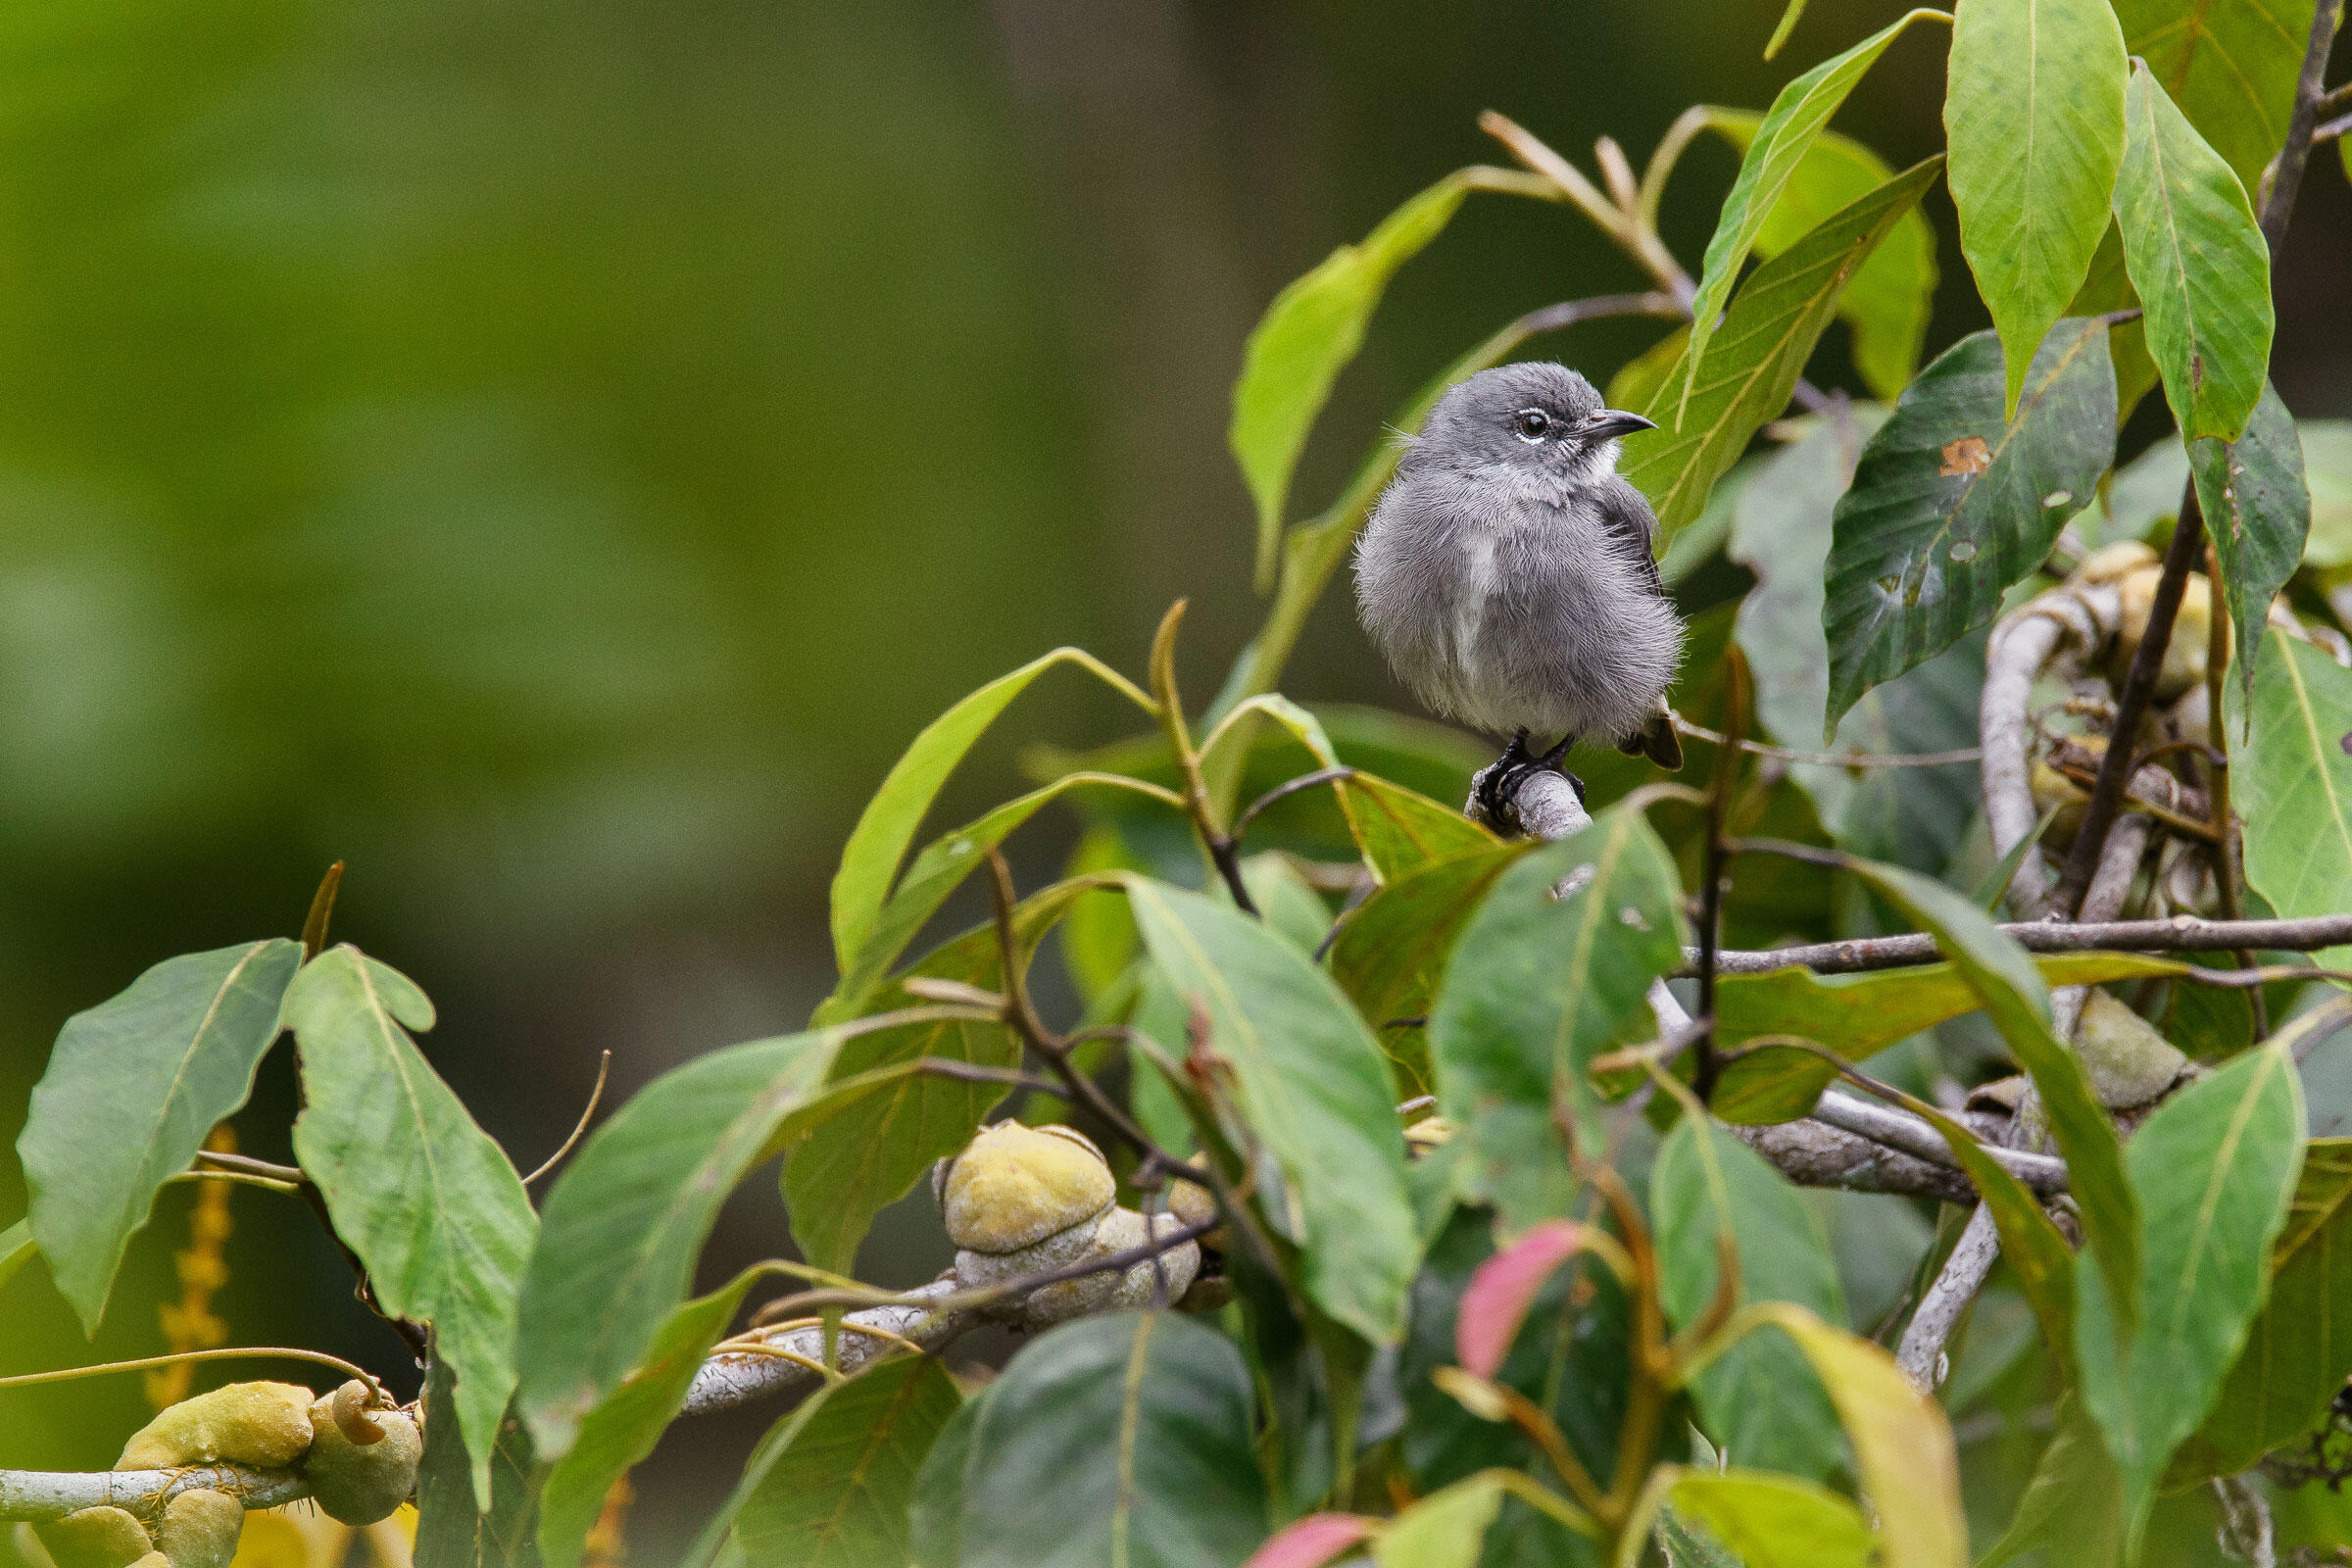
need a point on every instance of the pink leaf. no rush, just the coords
(1499, 1294)
(1312, 1541)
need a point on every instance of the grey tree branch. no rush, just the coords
(54, 1493)
(2183, 933)
(1901, 1131)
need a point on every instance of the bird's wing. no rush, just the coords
(1625, 513)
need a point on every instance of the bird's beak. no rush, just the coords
(1615, 423)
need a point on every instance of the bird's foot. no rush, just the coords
(1494, 792)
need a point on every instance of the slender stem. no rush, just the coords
(255, 1352)
(1290, 787)
(1717, 865)
(1214, 840)
(2286, 175)
(1020, 1016)
(1781, 753)
(2099, 812)
(236, 1178)
(288, 1174)
(1620, 223)
(2216, 785)
(2180, 934)
(1670, 149)
(579, 1129)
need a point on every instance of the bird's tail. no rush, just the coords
(1657, 741)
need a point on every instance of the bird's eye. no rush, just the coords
(1533, 423)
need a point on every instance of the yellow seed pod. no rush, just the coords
(2185, 657)
(1191, 1202)
(1015, 1186)
(200, 1528)
(265, 1424)
(2110, 562)
(358, 1483)
(95, 1538)
(155, 1559)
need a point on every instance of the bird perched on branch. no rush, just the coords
(1508, 574)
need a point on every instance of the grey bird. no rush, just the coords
(1510, 576)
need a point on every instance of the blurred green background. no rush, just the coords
(553, 456)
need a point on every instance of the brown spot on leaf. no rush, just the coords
(1966, 455)
(2347, 743)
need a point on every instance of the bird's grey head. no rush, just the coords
(1533, 418)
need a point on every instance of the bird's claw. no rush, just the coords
(1496, 789)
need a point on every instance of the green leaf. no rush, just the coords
(2213, 1168)
(132, 1087)
(628, 1217)
(16, 1249)
(423, 1196)
(1540, 986)
(871, 1150)
(869, 862)
(1774, 1521)
(1124, 1439)
(1752, 361)
(1796, 117)
(1399, 829)
(2257, 515)
(2229, 63)
(835, 1495)
(1888, 300)
(2033, 111)
(1767, 1084)
(2199, 262)
(1858, 1016)
(2292, 779)
(1757, 1398)
(1951, 504)
(1316, 1091)
(1391, 952)
(2299, 1350)
(1902, 1444)
(2070, 1509)
(1643, 381)
(2017, 1001)
(1448, 1529)
(623, 1428)
(1306, 338)
(2108, 288)
(455, 1526)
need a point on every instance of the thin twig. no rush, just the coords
(1214, 840)
(2180, 934)
(55, 1493)
(2286, 173)
(1716, 866)
(1781, 753)
(253, 1352)
(580, 1130)
(1020, 1015)
(1289, 787)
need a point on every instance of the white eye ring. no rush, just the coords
(1533, 423)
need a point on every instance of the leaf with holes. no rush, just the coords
(1750, 364)
(2033, 110)
(1788, 131)
(423, 1196)
(835, 1495)
(1951, 503)
(2213, 1168)
(1540, 985)
(2200, 265)
(1757, 1399)
(2257, 516)
(2292, 778)
(132, 1087)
